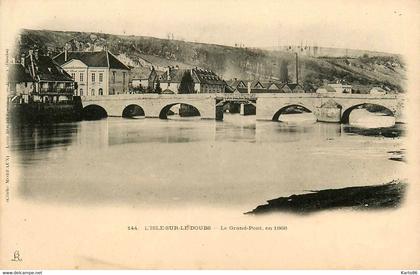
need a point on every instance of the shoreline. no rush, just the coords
(384, 196)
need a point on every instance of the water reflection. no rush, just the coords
(362, 118)
(167, 162)
(236, 128)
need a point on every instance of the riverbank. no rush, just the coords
(388, 195)
(38, 112)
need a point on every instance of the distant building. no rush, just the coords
(325, 89)
(139, 77)
(259, 86)
(341, 88)
(237, 84)
(38, 78)
(20, 84)
(377, 91)
(97, 73)
(205, 81)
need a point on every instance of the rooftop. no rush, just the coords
(17, 74)
(48, 70)
(93, 59)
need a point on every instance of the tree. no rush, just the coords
(158, 89)
(187, 84)
(284, 72)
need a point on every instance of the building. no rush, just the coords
(20, 84)
(377, 91)
(205, 81)
(38, 78)
(341, 88)
(259, 86)
(237, 84)
(325, 89)
(139, 78)
(96, 73)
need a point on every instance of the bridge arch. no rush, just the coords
(284, 108)
(345, 116)
(163, 114)
(133, 110)
(94, 112)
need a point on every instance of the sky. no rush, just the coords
(370, 24)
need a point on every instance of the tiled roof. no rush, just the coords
(48, 70)
(93, 59)
(198, 75)
(208, 77)
(140, 72)
(17, 74)
(175, 76)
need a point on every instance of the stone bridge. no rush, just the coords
(153, 105)
(326, 107)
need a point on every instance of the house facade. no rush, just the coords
(96, 73)
(38, 78)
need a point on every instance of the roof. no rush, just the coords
(48, 70)
(235, 82)
(175, 76)
(328, 88)
(208, 77)
(93, 59)
(140, 73)
(17, 74)
(202, 76)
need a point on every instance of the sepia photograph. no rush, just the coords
(209, 134)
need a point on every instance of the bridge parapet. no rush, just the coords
(147, 96)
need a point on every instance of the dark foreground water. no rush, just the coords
(236, 163)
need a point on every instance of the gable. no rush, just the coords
(258, 86)
(74, 63)
(241, 85)
(273, 86)
(286, 89)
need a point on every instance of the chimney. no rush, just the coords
(36, 54)
(297, 69)
(249, 87)
(32, 70)
(169, 72)
(22, 60)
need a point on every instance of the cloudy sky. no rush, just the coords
(369, 24)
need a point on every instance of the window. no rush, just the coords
(93, 91)
(81, 92)
(81, 77)
(123, 78)
(101, 92)
(73, 75)
(101, 77)
(93, 77)
(113, 76)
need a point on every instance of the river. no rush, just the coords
(238, 163)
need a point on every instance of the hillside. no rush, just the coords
(229, 62)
